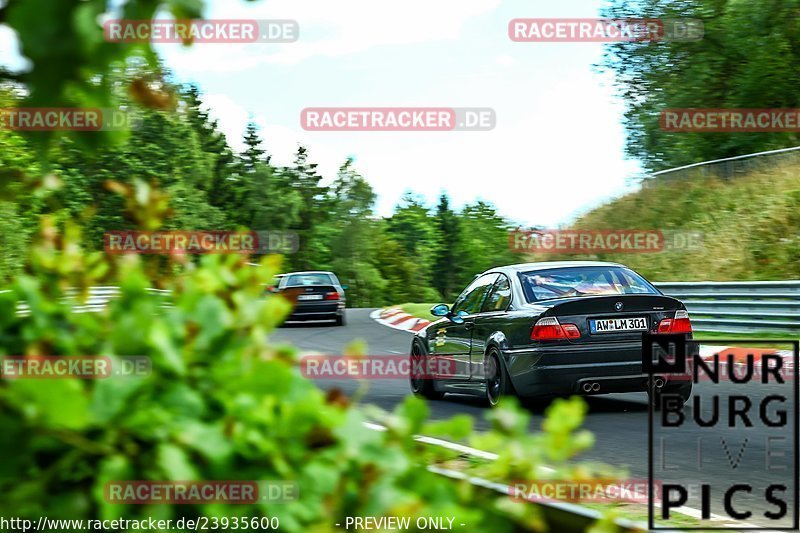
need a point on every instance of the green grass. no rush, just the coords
(637, 512)
(750, 226)
(419, 310)
(709, 337)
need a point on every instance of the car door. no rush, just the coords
(454, 340)
(490, 319)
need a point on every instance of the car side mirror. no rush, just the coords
(457, 318)
(440, 310)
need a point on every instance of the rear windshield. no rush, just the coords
(294, 280)
(540, 285)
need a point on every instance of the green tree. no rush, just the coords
(223, 187)
(253, 153)
(399, 270)
(748, 58)
(304, 179)
(411, 226)
(353, 238)
(447, 262)
(18, 206)
(485, 241)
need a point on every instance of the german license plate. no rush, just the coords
(309, 297)
(611, 325)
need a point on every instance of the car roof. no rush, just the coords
(308, 272)
(542, 265)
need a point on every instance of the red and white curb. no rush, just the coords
(396, 318)
(739, 355)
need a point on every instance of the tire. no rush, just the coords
(340, 320)
(683, 392)
(419, 386)
(498, 384)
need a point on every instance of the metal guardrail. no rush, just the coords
(97, 300)
(731, 167)
(726, 307)
(740, 306)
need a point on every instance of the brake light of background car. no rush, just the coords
(332, 296)
(679, 324)
(548, 329)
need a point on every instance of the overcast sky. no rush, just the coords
(557, 148)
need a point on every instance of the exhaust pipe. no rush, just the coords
(659, 383)
(595, 387)
(587, 387)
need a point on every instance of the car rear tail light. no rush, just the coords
(679, 324)
(572, 331)
(682, 324)
(548, 328)
(332, 296)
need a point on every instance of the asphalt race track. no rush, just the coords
(619, 422)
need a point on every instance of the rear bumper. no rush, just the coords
(564, 369)
(317, 310)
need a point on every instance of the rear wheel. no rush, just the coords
(340, 321)
(498, 383)
(421, 386)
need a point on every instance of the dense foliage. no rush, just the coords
(221, 402)
(750, 226)
(748, 58)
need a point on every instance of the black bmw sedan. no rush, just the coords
(548, 329)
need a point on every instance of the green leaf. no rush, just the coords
(58, 403)
(175, 464)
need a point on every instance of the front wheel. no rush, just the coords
(421, 385)
(498, 383)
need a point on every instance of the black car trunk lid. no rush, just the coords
(307, 293)
(616, 318)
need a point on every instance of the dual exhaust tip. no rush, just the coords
(593, 386)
